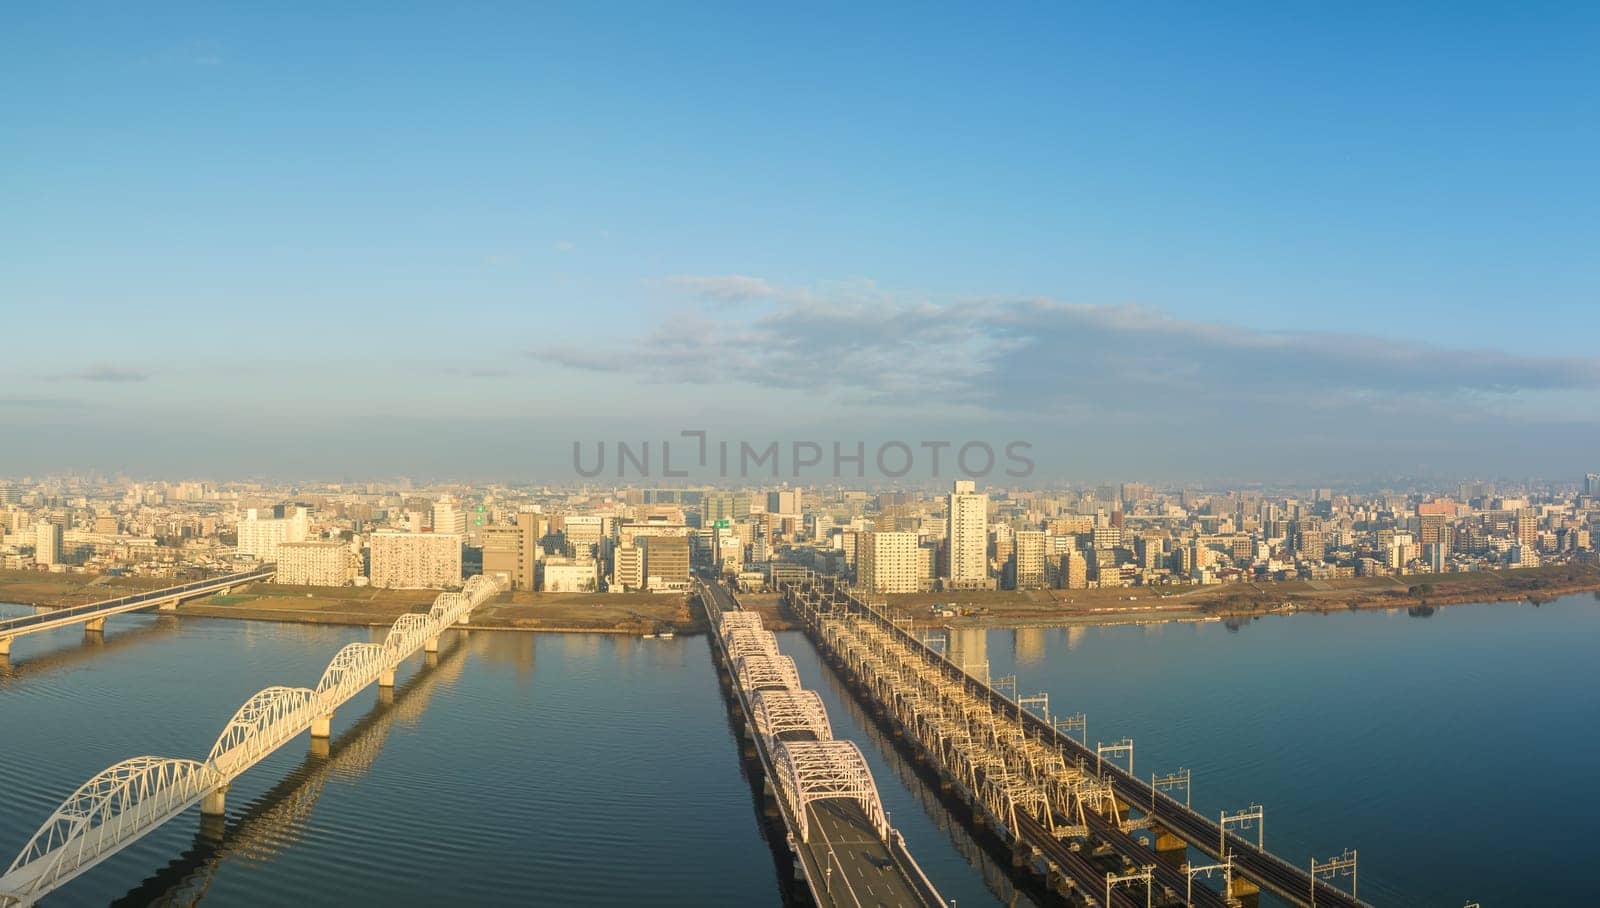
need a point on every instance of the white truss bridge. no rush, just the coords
(128, 800)
(838, 829)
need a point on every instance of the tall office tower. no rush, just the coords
(411, 561)
(967, 529)
(1591, 484)
(449, 517)
(10, 494)
(260, 532)
(886, 562)
(47, 543)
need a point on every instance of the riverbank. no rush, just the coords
(642, 613)
(614, 613)
(589, 613)
(1044, 608)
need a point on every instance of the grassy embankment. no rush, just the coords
(602, 612)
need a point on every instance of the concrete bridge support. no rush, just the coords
(5, 645)
(214, 804)
(1170, 849)
(322, 726)
(94, 625)
(431, 645)
(387, 678)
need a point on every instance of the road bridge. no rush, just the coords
(838, 831)
(93, 615)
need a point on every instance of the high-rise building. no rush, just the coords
(967, 531)
(449, 517)
(411, 561)
(513, 550)
(1028, 556)
(886, 562)
(261, 531)
(1075, 570)
(316, 563)
(1527, 526)
(47, 544)
(9, 494)
(1591, 484)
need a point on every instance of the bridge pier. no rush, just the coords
(322, 726)
(95, 625)
(387, 678)
(171, 605)
(215, 803)
(1171, 849)
(213, 828)
(431, 645)
(1247, 893)
(5, 645)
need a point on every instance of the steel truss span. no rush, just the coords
(1041, 789)
(806, 766)
(128, 800)
(811, 771)
(783, 711)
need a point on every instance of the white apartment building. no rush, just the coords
(47, 548)
(627, 573)
(316, 563)
(412, 561)
(967, 529)
(261, 531)
(449, 517)
(1029, 557)
(887, 562)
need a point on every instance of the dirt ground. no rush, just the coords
(608, 612)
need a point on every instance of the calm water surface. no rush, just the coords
(598, 770)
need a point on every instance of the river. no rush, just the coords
(559, 769)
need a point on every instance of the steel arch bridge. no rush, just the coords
(784, 711)
(128, 800)
(766, 672)
(811, 771)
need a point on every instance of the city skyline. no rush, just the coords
(1304, 246)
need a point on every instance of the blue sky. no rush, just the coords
(1301, 239)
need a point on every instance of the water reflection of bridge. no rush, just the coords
(273, 822)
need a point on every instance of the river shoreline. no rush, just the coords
(639, 615)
